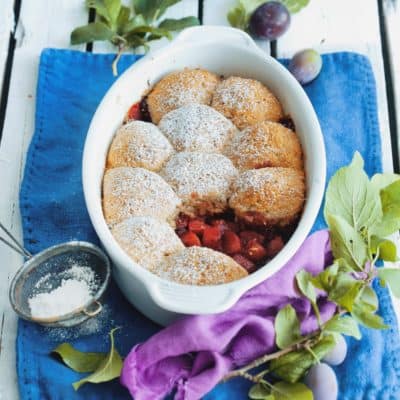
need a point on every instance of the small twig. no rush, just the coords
(265, 358)
(121, 49)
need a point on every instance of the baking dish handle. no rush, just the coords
(185, 299)
(215, 34)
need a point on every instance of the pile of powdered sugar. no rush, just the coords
(77, 287)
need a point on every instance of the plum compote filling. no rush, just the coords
(139, 111)
(249, 245)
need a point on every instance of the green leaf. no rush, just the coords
(113, 8)
(108, 369)
(365, 317)
(137, 41)
(135, 35)
(287, 327)
(164, 5)
(133, 23)
(345, 291)
(178, 24)
(326, 278)
(295, 6)
(77, 360)
(90, 33)
(351, 197)
(260, 392)
(368, 299)
(292, 366)
(392, 277)
(390, 200)
(237, 17)
(387, 249)
(345, 325)
(305, 285)
(152, 9)
(380, 181)
(292, 391)
(123, 19)
(346, 242)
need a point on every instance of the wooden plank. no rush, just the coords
(391, 11)
(340, 25)
(37, 28)
(6, 27)
(182, 9)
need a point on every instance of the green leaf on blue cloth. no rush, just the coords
(78, 361)
(109, 368)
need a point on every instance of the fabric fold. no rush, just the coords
(220, 342)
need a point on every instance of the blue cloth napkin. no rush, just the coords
(70, 86)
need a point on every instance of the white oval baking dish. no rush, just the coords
(225, 51)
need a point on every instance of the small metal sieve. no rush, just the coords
(45, 272)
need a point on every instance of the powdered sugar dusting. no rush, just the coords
(236, 92)
(139, 144)
(201, 177)
(180, 88)
(137, 192)
(200, 266)
(276, 193)
(147, 240)
(102, 323)
(266, 144)
(246, 101)
(197, 127)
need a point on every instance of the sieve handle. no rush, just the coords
(93, 313)
(14, 244)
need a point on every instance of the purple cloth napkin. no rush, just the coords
(195, 353)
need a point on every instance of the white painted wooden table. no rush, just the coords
(27, 26)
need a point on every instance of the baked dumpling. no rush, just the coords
(147, 240)
(269, 196)
(200, 266)
(246, 102)
(180, 88)
(139, 144)
(266, 144)
(197, 127)
(129, 192)
(201, 180)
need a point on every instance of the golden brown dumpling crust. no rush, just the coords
(181, 88)
(139, 144)
(246, 102)
(269, 196)
(147, 240)
(129, 192)
(200, 266)
(266, 144)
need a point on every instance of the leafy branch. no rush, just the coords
(127, 27)
(360, 213)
